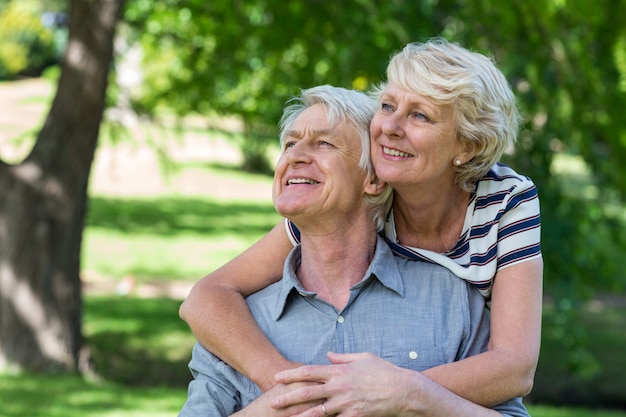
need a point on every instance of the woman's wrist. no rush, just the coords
(263, 374)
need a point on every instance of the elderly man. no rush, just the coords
(342, 289)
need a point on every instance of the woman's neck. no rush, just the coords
(430, 220)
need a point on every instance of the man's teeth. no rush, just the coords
(394, 152)
(301, 181)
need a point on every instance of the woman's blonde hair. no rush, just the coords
(484, 107)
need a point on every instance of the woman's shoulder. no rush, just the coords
(501, 177)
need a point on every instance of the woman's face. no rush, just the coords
(414, 141)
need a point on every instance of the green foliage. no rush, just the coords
(25, 44)
(248, 58)
(565, 60)
(600, 383)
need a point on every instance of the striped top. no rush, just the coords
(502, 228)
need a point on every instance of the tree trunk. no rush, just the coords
(43, 204)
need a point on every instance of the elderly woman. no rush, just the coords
(444, 119)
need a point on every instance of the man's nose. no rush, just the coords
(299, 153)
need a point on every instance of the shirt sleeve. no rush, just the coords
(512, 408)
(209, 393)
(519, 231)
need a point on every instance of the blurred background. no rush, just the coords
(181, 178)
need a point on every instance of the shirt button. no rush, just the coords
(340, 319)
(413, 354)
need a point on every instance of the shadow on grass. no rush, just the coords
(29, 395)
(138, 342)
(170, 216)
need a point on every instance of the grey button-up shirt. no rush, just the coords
(416, 315)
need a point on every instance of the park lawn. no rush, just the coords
(141, 349)
(72, 396)
(170, 237)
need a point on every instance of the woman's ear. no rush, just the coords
(467, 152)
(375, 186)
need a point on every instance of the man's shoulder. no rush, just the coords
(434, 279)
(262, 296)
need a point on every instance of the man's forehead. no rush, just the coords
(300, 131)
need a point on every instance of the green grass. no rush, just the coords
(141, 349)
(545, 411)
(72, 396)
(138, 342)
(170, 238)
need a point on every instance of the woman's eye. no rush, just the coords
(289, 145)
(386, 107)
(420, 116)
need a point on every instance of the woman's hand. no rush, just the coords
(261, 407)
(355, 385)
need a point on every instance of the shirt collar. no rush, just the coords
(383, 268)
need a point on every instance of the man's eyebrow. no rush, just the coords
(298, 134)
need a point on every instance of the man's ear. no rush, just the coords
(375, 186)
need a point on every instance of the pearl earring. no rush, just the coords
(458, 162)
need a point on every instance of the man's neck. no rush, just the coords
(332, 263)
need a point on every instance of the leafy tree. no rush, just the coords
(26, 45)
(43, 203)
(247, 58)
(565, 60)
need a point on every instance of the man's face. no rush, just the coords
(317, 180)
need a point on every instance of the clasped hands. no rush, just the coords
(354, 385)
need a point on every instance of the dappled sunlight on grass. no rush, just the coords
(176, 215)
(71, 396)
(169, 238)
(138, 341)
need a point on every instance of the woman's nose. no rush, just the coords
(391, 126)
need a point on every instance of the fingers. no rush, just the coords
(343, 358)
(311, 394)
(319, 410)
(306, 373)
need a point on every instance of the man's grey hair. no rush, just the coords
(342, 106)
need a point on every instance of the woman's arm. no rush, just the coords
(363, 384)
(507, 369)
(504, 372)
(219, 317)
